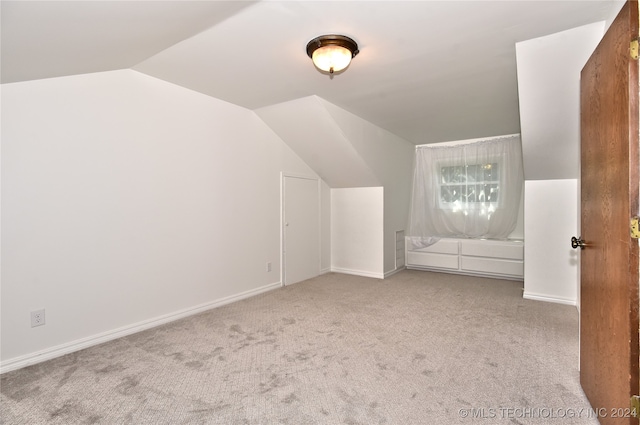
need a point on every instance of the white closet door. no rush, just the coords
(301, 229)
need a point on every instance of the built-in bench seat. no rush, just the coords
(481, 257)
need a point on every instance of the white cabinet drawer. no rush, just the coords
(492, 266)
(428, 259)
(493, 249)
(479, 257)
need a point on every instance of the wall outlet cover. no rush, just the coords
(37, 318)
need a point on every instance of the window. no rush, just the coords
(470, 189)
(469, 185)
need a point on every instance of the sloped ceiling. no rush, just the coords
(44, 39)
(428, 71)
(308, 128)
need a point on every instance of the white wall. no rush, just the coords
(551, 267)
(549, 98)
(549, 92)
(325, 227)
(128, 201)
(391, 160)
(357, 231)
(348, 151)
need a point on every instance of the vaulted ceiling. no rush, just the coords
(428, 71)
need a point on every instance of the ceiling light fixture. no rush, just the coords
(332, 53)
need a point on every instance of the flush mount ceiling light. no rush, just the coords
(332, 53)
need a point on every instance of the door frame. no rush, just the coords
(283, 260)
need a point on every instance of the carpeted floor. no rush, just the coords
(416, 348)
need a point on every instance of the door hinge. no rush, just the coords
(635, 227)
(635, 406)
(633, 49)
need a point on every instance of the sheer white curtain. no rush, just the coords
(469, 190)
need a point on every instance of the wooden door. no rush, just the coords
(301, 226)
(609, 198)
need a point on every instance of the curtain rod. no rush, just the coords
(466, 141)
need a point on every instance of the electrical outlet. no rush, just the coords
(269, 266)
(37, 318)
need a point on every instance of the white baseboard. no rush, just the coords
(547, 298)
(80, 344)
(392, 272)
(358, 272)
(325, 271)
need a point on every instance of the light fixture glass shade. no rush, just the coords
(332, 58)
(332, 52)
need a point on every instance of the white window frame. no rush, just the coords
(465, 182)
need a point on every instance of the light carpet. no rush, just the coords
(416, 348)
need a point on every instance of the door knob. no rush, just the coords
(577, 242)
